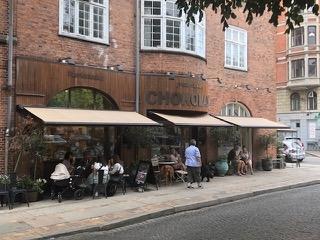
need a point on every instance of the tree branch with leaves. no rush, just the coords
(292, 10)
(28, 140)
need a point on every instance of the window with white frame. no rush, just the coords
(312, 35)
(297, 68)
(312, 100)
(162, 28)
(235, 48)
(295, 102)
(235, 110)
(85, 19)
(312, 67)
(297, 36)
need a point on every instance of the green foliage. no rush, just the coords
(139, 136)
(27, 140)
(82, 98)
(291, 9)
(31, 185)
(4, 179)
(267, 140)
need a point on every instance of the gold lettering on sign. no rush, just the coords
(175, 98)
(84, 76)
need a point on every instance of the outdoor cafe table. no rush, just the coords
(166, 163)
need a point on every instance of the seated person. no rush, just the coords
(116, 169)
(60, 172)
(60, 178)
(96, 167)
(234, 160)
(245, 157)
(176, 158)
(68, 161)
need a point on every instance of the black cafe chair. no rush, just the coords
(4, 194)
(15, 191)
(100, 185)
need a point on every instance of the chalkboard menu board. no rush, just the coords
(142, 173)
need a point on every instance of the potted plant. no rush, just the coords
(4, 181)
(221, 166)
(33, 187)
(267, 140)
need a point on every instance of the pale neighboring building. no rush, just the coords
(297, 61)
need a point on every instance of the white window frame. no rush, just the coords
(62, 32)
(316, 67)
(312, 100)
(237, 43)
(295, 102)
(199, 50)
(242, 110)
(303, 70)
(293, 38)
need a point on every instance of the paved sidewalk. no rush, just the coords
(49, 218)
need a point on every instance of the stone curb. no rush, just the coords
(179, 209)
(313, 154)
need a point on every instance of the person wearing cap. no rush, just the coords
(193, 163)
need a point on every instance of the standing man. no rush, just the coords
(193, 163)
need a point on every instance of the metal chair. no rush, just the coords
(116, 181)
(156, 170)
(180, 175)
(4, 194)
(100, 185)
(14, 190)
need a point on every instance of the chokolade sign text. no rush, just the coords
(175, 98)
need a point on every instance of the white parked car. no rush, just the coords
(293, 149)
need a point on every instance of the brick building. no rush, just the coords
(68, 47)
(297, 74)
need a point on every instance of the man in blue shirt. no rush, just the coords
(193, 163)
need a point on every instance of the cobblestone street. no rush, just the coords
(291, 214)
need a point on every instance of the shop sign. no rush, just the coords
(84, 76)
(174, 98)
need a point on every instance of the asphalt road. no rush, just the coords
(292, 214)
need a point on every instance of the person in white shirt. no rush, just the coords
(96, 167)
(60, 172)
(115, 166)
(116, 169)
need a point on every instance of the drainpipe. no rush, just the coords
(137, 55)
(9, 85)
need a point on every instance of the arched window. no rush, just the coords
(295, 102)
(83, 98)
(235, 110)
(312, 100)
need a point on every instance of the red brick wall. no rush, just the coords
(38, 36)
(261, 46)
(37, 27)
(3, 77)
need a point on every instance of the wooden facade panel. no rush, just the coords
(41, 81)
(36, 77)
(30, 100)
(173, 93)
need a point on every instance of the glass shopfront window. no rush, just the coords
(87, 143)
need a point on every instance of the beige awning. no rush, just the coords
(252, 122)
(204, 120)
(63, 116)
